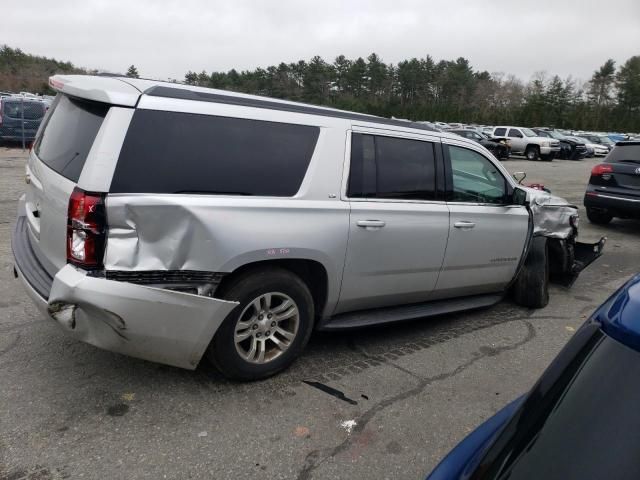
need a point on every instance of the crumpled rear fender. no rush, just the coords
(154, 324)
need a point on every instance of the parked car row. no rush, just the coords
(540, 143)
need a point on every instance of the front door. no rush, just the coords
(398, 227)
(487, 233)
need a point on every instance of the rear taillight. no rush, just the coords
(86, 229)
(601, 169)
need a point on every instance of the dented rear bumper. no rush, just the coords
(154, 324)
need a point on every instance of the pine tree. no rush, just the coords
(132, 72)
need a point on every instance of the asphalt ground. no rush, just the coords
(383, 402)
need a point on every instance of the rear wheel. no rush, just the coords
(531, 288)
(532, 153)
(267, 331)
(599, 217)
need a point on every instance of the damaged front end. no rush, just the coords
(557, 219)
(161, 325)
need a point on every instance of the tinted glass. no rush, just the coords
(68, 134)
(394, 168)
(475, 178)
(514, 133)
(500, 131)
(169, 152)
(581, 421)
(620, 153)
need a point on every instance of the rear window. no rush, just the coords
(170, 152)
(32, 110)
(621, 153)
(68, 134)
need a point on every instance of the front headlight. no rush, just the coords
(545, 144)
(574, 220)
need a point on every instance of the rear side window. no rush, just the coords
(500, 131)
(170, 152)
(393, 168)
(514, 133)
(68, 133)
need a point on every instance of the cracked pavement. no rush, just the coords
(385, 402)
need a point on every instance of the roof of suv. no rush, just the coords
(126, 91)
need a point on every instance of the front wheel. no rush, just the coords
(267, 331)
(531, 288)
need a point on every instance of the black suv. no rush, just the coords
(570, 147)
(614, 186)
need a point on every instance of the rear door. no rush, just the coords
(487, 233)
(398, 225)
(53, 169)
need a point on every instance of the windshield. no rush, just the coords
(528, 132)
(580, 421)
(606, 140)
(556, 135)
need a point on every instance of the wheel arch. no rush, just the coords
(312, 272)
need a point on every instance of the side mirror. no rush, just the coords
(519, 197)
(519, 177)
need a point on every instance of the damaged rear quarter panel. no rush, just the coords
(219, 234)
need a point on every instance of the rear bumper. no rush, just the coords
(154, 324)
(618, 205)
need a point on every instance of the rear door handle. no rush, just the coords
(370, 223)
(464, 224)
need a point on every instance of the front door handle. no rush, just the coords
(370, 223)
(464, 224)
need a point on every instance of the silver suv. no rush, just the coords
(168, 222)
(528, 143)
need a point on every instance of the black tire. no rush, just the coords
(599, 217)
(222, 351)
(531, 288)
(532, 153)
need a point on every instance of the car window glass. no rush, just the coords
(391, 168)
(500, 131)
(514, 133)
(475, 178)
(68, 134)
(206, 154)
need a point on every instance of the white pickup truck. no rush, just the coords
(525, 141)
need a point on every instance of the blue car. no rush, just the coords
(580, 421)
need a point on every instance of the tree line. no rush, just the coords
(447, 90)
(416, 89)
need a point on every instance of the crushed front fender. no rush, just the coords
(155, 324)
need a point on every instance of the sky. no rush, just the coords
(165, 39)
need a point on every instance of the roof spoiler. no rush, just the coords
(110, 90)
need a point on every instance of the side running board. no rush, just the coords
(379, 316)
